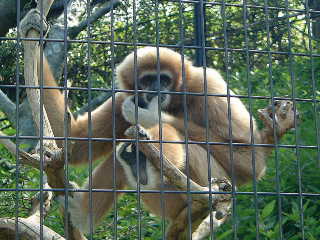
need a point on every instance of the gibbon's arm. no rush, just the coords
(101, 122)
(54, 103)
(149, 117)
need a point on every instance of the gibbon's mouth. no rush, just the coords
(145, 99)
(164, 99)
(141, 102)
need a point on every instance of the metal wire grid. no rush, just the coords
(201, 49)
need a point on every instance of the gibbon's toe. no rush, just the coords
(266, 116)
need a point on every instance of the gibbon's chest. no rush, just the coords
(197, 111)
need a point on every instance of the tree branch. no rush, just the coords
(28, 229)
(31, 54)
(26, 126)
(8, 107)
(101, 11)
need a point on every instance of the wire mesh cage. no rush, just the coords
(148, 119)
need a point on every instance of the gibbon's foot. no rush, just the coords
(32, 20)
(127, 155)
(223, 203)
(283, 117)
(78, 217)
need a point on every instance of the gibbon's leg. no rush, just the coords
(174, 152)
(200, 163)
(240, 126)
(242, 155)
(218, 111)
(101, 119)
(79, 204)
(175, 204)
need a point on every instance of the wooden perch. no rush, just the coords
(27, 229)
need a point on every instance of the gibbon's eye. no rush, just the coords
(150, 82)
(146, 81)
(165, 80)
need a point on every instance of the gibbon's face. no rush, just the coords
(145, 63)
(155, 82)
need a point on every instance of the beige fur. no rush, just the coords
(217, 109)
(172, 118)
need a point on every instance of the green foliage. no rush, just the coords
(15, 176)
(128, 221)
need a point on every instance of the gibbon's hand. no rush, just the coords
(284, 116)
(146, 117)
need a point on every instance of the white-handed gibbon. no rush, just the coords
(166, 78)
(169, 76)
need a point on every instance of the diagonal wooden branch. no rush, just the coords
(179, 179)
(25, 158)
